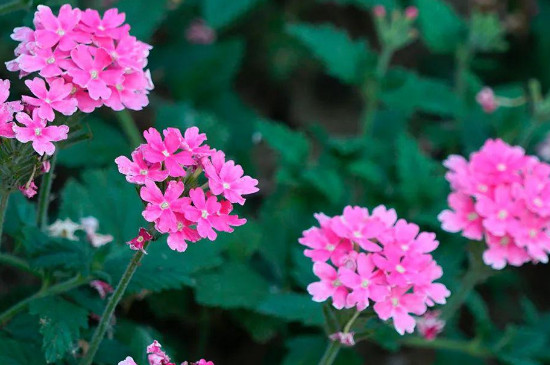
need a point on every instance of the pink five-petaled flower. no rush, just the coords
(463, 217)
(192, 142)
(156, 356)
(108, 27)
(227, 178)
(29, 189)
(157, 150)
(503, 250)
(177, 239)
(204, 362)
(92, 73)
(48, 62)
(329, 286)
(498, 213)
(138, 170)
(497, 162)
(355, 225)
(127, 361)
(323, 242)
(138, 242)
(102, 288)
(35, 130)
(59, 30)
(430, 325)
(7, 109)
(345, 338)
(398, 305)
(56, 98)
(367, 283)
(162, 207)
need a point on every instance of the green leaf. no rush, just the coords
(20, 213)
(144, 16)
(293, 307)
(60, 322)
(326, 181)
(343, 58)
(293, 146)
(260, 327)
(304, 350)
(366, 4)
(487, 33)
(442, 29)
(219, 13)
(18, 352)
(235, 285)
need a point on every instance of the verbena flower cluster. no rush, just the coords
(87, 61)
(170, 167)
(156, 356)
(502, 195)
(362, 258)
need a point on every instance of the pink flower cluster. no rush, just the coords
(501, 195)
(87, 60)
(170, 166)
(156, 356)
(361, 257)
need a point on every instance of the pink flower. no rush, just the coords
(49, 100)
(502, 251)
(162, 207)
(128, 92)
(227, 178)
(536, 193)
(192, 142)
(102, 288)
(29, 189)
(48, 62)
(530, 232)
(127, 361)
(497, 162)
(464, 217)
(109, 26)
(356, 225)
(498, 213)
(329, 286)
(177, 239)
(156, 356)
(204, 362)
(157, 150)
(411, 12)
(46, 165)
(92, 73)
(323, 242)
(344, 338)
(379, 11)
(59, 30)
(425, 286)
(486, 98)
(138, 242)
(7, 109)
(397, 306)
(35, 130)
(429, 325)
(138, 170)
(199, 32)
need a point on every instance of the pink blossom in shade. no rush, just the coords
(345, 338)
(397, 305)
(463, 217)
(157, 150)
(503, 250)
(102, 288)
(429, 326)
(48, 62)
(177, 239)
(329, 286)
(367, 283)
(59, 30)
(110, 26)
(127, 361)
(29, 189)
(227, 178)
(137, 170)
(128, 92)
(498, 213)
(56, 98)
(497, 162)
(162, 208)
(34, 130)
(199, 32)
(486, 98)
(379, 11)
(411, 12)
(138, 242)
(193, 140)
(91, 73)
(356, 225)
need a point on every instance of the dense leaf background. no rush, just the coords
(281, 90)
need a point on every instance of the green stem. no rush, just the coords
(129, 127)
(111, 305)
(470, 348)
(52, 290)
(17, 263)
(350, 322)
(14, 5)
(44, 195)
(330, 353)
(3, 207)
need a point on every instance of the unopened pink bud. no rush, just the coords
(46, 167)
(411, 12)
(379, 11)
(486, 98)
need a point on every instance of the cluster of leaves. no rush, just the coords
(252, 281)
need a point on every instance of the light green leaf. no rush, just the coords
(441, 28)
(326, 181)
(293, 146)
(293, 307)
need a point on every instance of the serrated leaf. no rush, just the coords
(219, 13)
(60, 324)
(293, 146)
(18, 352)
(441, 28)
(260, 327)
(235, 285)
(343, 57)
(326, 181)
(293, 307)
(367, 170)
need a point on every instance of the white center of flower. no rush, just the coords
(37, 131)
(114, 55)
(47, 100)
(226, 185)
(502, 214)
(330, 247)
(365, 283)
(532, 233)
(143, 172)
(400, 269)
(50, 60)
(537, 202)
(204, 214)
(483, 188)
(357, 234)
(405, 247)
(336, 283)
(504, 241)
(395, 302)
(501, 167)
(472, 216)
(164, 205)
(73, 90)
(180, 226)
(60, 32)
(119, 87)
(165, 153)
(94, 74)
(140, 239)
(101, 27)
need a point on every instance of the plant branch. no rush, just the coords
(44, 195)
(468, 347)
(129, 127)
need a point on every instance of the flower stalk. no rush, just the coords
(44, 195)
(129, 127)
(334, 346)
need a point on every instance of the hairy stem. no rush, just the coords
(467, 347)
(331, 353)
(129, 127)
(111, 306)
(52, 290)
(44, 195)
(3, 207)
